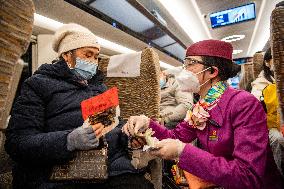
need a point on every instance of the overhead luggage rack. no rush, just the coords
(133, 18)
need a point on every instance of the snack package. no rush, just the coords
(178, 175)
(140, 156)
(103, 109)
(150, 141)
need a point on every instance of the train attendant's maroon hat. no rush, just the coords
(211, 47)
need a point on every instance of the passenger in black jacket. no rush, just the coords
(45, 127)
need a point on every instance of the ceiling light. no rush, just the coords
(250, 51)
(188, 16)
(233, 38)
(261, 30)
(165, 65)
(237, 51)
(114, 46)
(52, 25)
(46, 23)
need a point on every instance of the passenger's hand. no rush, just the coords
(83, 138)
(135, 125)
(137, 143)
(282, 130)
(98, 129)
(168, 149)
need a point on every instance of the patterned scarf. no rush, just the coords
(213, 95)
(198, 115)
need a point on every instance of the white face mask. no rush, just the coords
(188, 81)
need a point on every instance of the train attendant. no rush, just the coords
(230, 125)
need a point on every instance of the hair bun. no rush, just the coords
(235, 69)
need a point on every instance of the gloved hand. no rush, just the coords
(168, 149)
(167, 120)
(84, 138)
(136, 125)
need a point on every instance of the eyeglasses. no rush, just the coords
(189, 62)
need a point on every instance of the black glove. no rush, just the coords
(82, 138)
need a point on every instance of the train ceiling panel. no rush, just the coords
(135, 19)
(142, 22)
(176, 49)
(164, 41)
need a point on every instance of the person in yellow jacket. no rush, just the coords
(269, 97)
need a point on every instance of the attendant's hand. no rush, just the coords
(169, 149)
(136, 125)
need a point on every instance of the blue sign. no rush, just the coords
(233, 15)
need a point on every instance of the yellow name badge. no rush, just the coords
(213, 135)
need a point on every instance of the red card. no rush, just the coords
(100, 103)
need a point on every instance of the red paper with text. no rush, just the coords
(100, 103)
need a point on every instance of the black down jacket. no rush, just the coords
(45, 113)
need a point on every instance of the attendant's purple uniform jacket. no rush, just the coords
(235, 155)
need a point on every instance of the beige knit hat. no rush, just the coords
(73, 36)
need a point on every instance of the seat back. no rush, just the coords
(246, 77)
(15, 37)
(257, 64)
(10, 93)
(138, 95)
(277, 46)
(15, 33)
